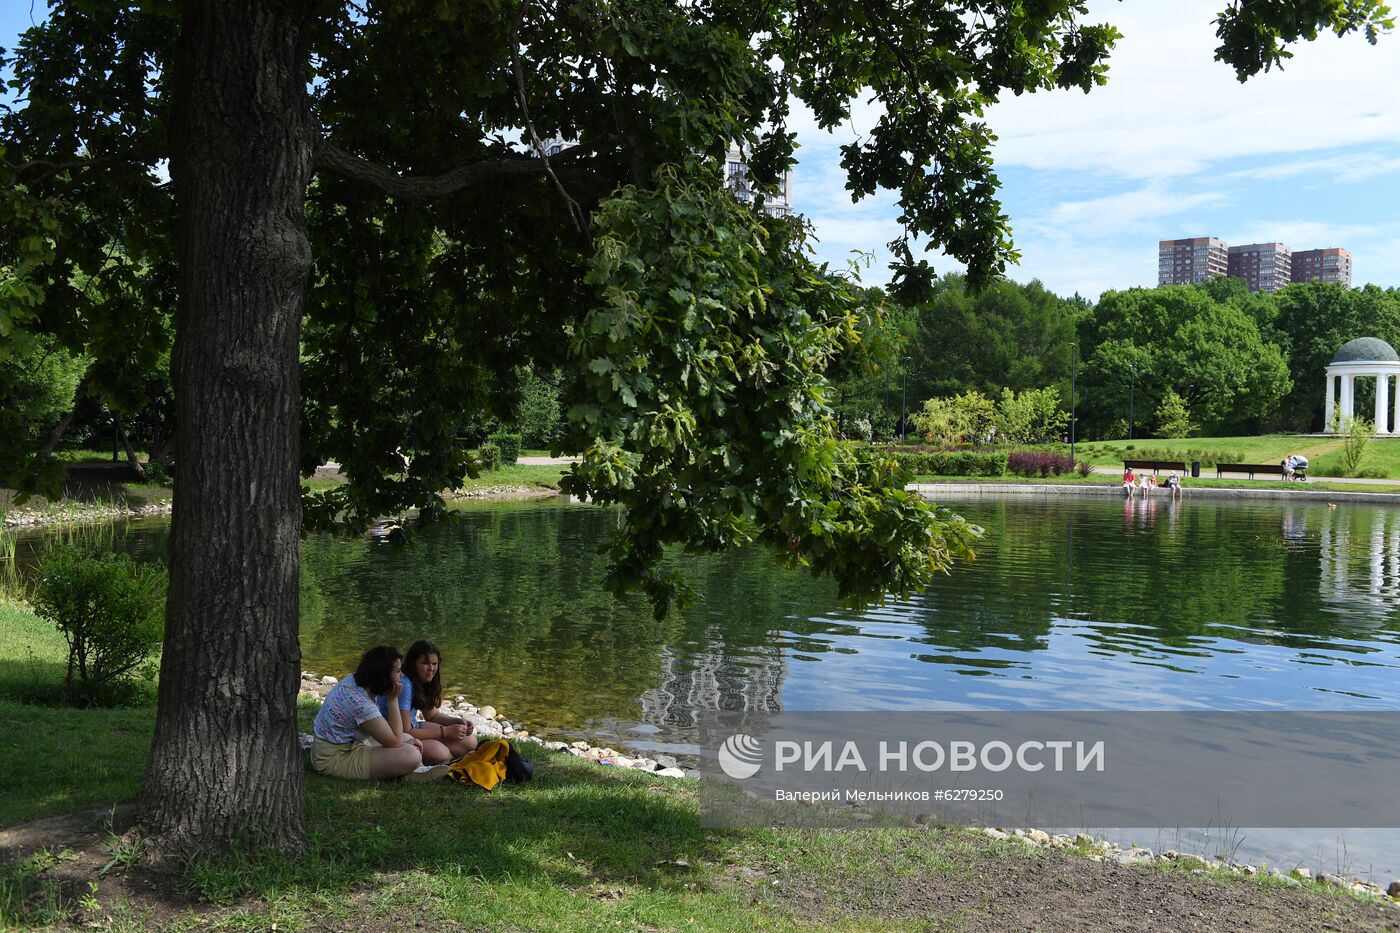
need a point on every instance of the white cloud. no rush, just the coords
(1169, 108)
(1130, 211)
(1306, 234)
(1344, 167)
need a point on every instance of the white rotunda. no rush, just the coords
(1365, 358)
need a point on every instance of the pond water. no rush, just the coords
(1071, 604)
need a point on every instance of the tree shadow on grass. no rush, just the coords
(575, 826)
(102, 484)
(32, 680)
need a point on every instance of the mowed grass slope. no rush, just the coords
(1381, 460)
(54, 759)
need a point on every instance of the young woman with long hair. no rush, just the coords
(444, 737)
(350, 714)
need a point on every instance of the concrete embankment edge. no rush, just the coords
(1291, 494)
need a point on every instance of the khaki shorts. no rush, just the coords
(350, 760)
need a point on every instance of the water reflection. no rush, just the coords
(708, 679)
(1092, 604)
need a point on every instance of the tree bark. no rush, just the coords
(225, 766)
(46, 449)
(132, 460)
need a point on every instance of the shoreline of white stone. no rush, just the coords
(1102, 850)
(488, 723)
(70, 512)
(1291, 492)
(81, 514)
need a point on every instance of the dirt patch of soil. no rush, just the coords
(989, 888)
(86, 880)
(993, 889)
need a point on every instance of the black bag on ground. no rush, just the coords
(518, 769)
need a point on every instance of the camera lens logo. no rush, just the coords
(741, 756)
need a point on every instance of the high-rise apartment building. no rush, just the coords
(1322, 265)
(1195, 259)
(1267, 267)
(736, 178)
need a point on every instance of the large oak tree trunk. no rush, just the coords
(225, 765)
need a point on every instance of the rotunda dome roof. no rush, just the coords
(1366, 350)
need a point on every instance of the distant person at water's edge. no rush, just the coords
(419, 706)
(1174, 483)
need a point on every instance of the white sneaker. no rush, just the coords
(426, 773)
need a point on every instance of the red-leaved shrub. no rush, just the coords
(1038, 463)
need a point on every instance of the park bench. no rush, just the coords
(1155, 465)
(1273, 469)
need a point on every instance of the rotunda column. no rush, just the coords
(1348, 399)
(1331, 403)
(1383, 403)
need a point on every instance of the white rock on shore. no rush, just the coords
(1102, 850)
(72, 514)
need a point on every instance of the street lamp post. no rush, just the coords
(1073, 372)
(1132, 381)
(903, 393)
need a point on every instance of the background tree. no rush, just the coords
(1007, 335)
(1180, 339)
(1173, 417)
(363, 169)
(964, 418)
(41, 382)
(538, 418)
(1031, 416)
(1315, 319)
(868, 381)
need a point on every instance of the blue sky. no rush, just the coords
(1173, 146)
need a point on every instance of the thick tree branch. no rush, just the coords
(332, 158)
(33, 171)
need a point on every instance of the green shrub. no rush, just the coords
(953, 462)
(1354, 443)
(509, 445)
(159, 473)
(111, 612)
(489, 455)
(1174, 417)
(1185, 454)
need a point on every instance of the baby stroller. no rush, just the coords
(1300, 467)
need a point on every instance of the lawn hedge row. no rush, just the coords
(954, 462)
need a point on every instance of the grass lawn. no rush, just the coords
(1382, 457)
(47, 767)
(517, 474)
(84, 455)
(32, 654)
(81, 496)
(582, 847)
